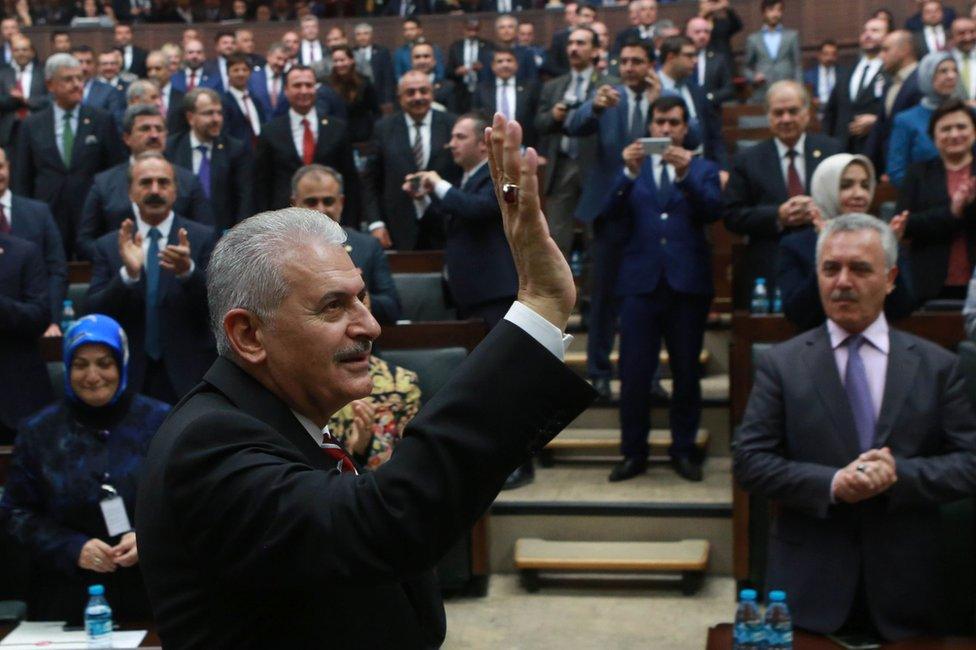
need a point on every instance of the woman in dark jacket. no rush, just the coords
(71, 464)
(358, 93)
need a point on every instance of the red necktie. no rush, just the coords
(334, 450)
(308, 144)
(274, 91)
(4, 224)
(193, 80)
(794, 187)
(22, 111)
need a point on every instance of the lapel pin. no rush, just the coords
(220, 145)
(87, 121)
(710, 54)
(348, 248)
(816, 153)
(324, 121)
(519, 88)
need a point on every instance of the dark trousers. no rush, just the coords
(491, 312)
(602, 321)
(157, 384)
(678, 318)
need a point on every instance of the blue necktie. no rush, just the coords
(664, 187)
(637, 121)
(859, 394)
(154, 348)
(204, 172)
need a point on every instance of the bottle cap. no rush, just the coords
(747, 594)
(96, 590)
(760, 280)
(66, 302)
(777, 596)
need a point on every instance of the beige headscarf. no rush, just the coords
(825, 184)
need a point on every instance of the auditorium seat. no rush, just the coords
(423, 297)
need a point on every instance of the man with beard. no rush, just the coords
(193, 74)
(151, 276)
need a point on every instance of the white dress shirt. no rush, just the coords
(269, 78)
(505, 88)
(7, 201)
(962, 58)
(59, 125)
(700, 64)
(222, 64)
(669, 84)
(165, 94)
(935, 37)
(311, 51)
(127, 57)
(298, 129)
(826, 78)
(143, 229)
(442, 187)
(874, 355)
(193, 77)
(24, 76)
(248, 108)
(799, 161)
(865, 71)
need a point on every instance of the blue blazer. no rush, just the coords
(188, 346)
(402, 62)
(258, 87)
(665, 236)
(478, 259)
(108, 205)
(796, 278)
(709, 127)
(368, 256)
(24, 315)
(109, 99)
(32, 220)
(909, 143)
(879, 138)
(383, 78)
(235, 124)
(207, 80)
(211, 76)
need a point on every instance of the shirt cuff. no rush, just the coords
(833, 482)
(376, 225)
(629, 174)
(127, 279)
(441, 188)
(548, 335)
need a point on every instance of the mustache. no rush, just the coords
(843, 295)
(154, 200)
(358, 349)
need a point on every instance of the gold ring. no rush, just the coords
(510, 192)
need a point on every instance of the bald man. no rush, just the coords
(713, 69)
(900, 91)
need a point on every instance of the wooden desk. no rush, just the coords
(151, 640)
(720, 638)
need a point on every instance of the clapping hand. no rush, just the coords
(130, 249)
(363, 417)
(962, 197)
(545, 282)
(898, 224)
(176, 258)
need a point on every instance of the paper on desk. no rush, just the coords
(49, 634)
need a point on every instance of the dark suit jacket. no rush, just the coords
(908, 96)
(633, 218)
(709, 127)
(718, 84)
(931, 226)
(922, 46)
(188, 346)
(557, 61)
(107, 98)
(258, 85)
(211, 75)
(231, 439)
(138, 67)
(9, 106)
(381, 63)
(394, 159)
(276, 160)
(753, 195)
(108, 205)
(24, 315)
(492, 5)
(392, 8)
(526, 105)
(796, 278)
(914, 22)
(175, 117)
(798, 430)
(549, 132)
(840, 110)
(231, 177)
(236, 125)
(368, 255)
(455, 58)
(32, 221)
(631, 33)
(477, 256)
(40, 173)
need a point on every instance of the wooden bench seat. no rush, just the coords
(606, 442)
(688, 557)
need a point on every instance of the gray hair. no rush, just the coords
(858, 221)
(782, 84)
(190, 98)
(58, 61)
(502, 17)
(360, 27)
(277, 46)
(314, 168)
(246, 270)
(144, 156)
(137, 110)
(138, 89)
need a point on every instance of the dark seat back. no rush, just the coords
(432, 365)
(422, 296)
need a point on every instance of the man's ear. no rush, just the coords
(891, 274)
(244, 332)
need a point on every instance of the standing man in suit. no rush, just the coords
(931, 34)
(31, 220)
(645, 15)
(405, 143)
(61, 148)
(916, 22)
(407, 8)
(763, 204)
(216, 68)
(107, 204)
(506, 35)
(468, 64)
(268, 82)
(857, 97)
(964, 52)
(223, 165)
(243, 116)
(772, 53)
(563, 182)
(244, 38)
(374, 61)
(506, 401)
(526, 39)
(445, 91)
(22, 90)
(98, 94)
(133, 57)
(151, 277)
(194, 73)
(823, 77)
(301, 137)
(170, 99)
(658, 209)
(876, 434)
(413, 33)
(901, 91)
(319, 188)
(713, 71)
(516, 100)
(310, 50)
(24, 315)
(110, 70)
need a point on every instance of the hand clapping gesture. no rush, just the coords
(176, 258)
(130, 249)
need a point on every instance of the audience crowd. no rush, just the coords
(138, 161)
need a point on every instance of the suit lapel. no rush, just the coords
(85, 129)
(437, 139)
(899, 379)
(819, 360)
(811, 157)
(324, 139)
(772, 163)
(166, 278)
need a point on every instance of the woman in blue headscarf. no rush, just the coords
(71, 489)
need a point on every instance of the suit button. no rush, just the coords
(664, 216)
(620, 193)
(664, 241)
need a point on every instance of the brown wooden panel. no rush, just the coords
(433, 334)
(79, 272)
(415, 261)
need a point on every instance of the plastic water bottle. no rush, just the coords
(760, 297)
(777, 301)
(748, 631)
(779, 623)
(67, 316)
(98, 618)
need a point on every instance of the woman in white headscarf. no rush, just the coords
(842, 184)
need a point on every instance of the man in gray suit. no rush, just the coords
(566, 156)
(859, 432)
(772, 53)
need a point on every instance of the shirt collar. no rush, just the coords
(906, 71)
(876, 334)
(6, 200)
(499, 81)
(238, 94)
(767, 29)
(587, 73)
(196, 142)
(59, 113)
(318, 435)
(474, 170)
(425, 122)
(666, 81)
(164, 226)
(296, 118)
(27, 68)
(781, 147)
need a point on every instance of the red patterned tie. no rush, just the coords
(193, 80)
(794, 187)
(334, 450)
(308, 144)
